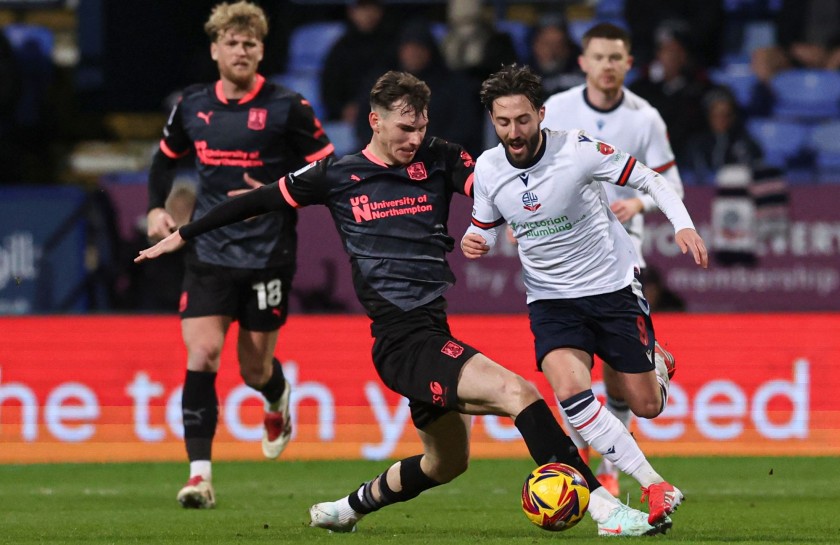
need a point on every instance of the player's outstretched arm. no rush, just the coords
(688, 239)
(170, 244)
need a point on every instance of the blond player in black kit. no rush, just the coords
(239, 124)
(390, 204)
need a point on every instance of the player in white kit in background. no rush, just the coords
(580, 266)
(610, 112)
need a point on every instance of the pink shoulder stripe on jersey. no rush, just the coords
(625, 174)
(169, 153)
(259, 81)
(468, 186)
(285, 191)
(318, 155)
(664, 167)
(373, 158)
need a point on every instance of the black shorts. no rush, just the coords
(417, 357)
(257, 298)
(614, 326)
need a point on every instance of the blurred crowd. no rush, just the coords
(710, 67)
(738, 82)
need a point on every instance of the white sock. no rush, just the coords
(606, 435)
(620, 409)
(203, 468)
(572, 432)
(601, 504)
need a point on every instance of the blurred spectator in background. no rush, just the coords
(725, 141)
(702, 21)
(473, 45)
(807, 36)
(455, 115)
(10, 93)
(27, 108)
(368, 37)
(554, 57)
(675, 88)
(808, 31)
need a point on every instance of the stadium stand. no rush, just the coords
(310, 43)
(306, 83)
(784, 142)
(825, 143)
(738, 78)
(343, 137)
(806, 94)
(519, 33)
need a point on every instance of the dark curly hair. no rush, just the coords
(512, 79)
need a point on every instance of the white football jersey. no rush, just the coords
(635, 127)
(569, 243)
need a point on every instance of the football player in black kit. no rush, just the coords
(390, 203)
(239, 124)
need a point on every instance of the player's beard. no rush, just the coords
(528, 151)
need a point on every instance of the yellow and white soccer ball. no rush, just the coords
(555, 497)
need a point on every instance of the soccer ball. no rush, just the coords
(555, 497)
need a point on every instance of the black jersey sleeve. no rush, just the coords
(175, 142)
(266, 199)
(161, 175)
(306, 135)
(460, 166)
(309, 185)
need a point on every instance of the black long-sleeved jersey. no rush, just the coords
(392, 220)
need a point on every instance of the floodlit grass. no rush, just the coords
(729, 500)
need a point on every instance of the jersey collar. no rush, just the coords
(602, 110)
(258, 85)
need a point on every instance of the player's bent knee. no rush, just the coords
(647, 409)
(530, 392)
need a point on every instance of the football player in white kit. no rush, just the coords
(580, 267)
(610, 112)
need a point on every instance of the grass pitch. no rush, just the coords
(729, 500)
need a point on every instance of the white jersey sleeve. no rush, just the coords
(486, 218)
(617, 167)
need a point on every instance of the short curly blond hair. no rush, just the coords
(241, 16)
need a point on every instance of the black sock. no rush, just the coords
(272, 390)
(547, 442)
(200, 412)
(413, 481)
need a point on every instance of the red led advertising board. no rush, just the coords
(76, 389)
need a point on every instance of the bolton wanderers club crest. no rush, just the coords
(531, 201)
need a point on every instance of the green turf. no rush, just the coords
(730, 500)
